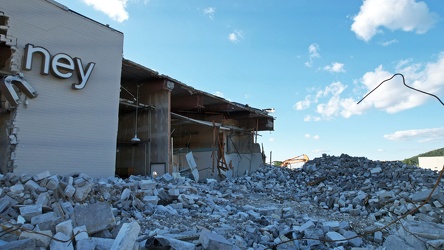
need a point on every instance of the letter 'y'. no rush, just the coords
(83, 74)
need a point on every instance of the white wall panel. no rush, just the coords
(65, 130)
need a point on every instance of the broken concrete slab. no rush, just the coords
(210, 240)
(65, 227)
(96, 217)
(30, 211)
(393, 242)
(127, 236)
(166, 241)
(422, 195)
(18, 244)
(41, 238)
(61, 241)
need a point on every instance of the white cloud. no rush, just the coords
(335, 67)
(391, 97)
(115, 9)
(312, 54)
(421, 135)
(310, 118)
(314, 137)
(235, 36)
(305, 104)
(220, 94)
(387, 43)
(210, 11)
(271, 139)
(405, 15)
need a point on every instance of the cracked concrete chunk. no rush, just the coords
(210, 240)
(41, 238)
(96, 217)
(19, 245)
(61, 242)
(127, 236)
(28, 212)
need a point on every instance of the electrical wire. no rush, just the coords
(403, 81)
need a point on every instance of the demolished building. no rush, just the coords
(71, 103)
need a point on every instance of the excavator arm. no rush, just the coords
(296, 159)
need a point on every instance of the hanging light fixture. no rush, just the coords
(136, 139)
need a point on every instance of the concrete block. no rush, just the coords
(210, 240)
(355, 242)
(422, 195)
(69, 191)
(334, 225)
(61, 242)
(80, 233)
(377, 237)
(53, 182)
(174, 192)
(6, 202)
(152, 199)
(375, 170)
(127, 236)
(86, 244)
(393, 242)
(65, 227)
(67, 208)
(41, 176)
(41, 238)
(43, 199)
(30, 211)
(147, 184)
(337, 238)
(96, 217)
(175, 243)
(427, 230)
(83, 191)
(167, 177)
(126, 193)
(102, 243)
(19, 245)
(17, 188)
(46, 221)
(305, 226)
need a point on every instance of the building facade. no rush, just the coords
(71, 103)
(73, 65)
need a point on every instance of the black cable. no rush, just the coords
(403, 81)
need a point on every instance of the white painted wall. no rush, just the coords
(433, 163)
(65, 130)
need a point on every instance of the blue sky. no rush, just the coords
(311, 61)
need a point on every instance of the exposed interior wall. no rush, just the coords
(152, 130)
(241, 154)
(5, 145)
(65, 130)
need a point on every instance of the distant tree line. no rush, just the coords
(414, 160)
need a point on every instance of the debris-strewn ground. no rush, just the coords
(333, 202)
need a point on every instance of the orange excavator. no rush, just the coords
(296, 159)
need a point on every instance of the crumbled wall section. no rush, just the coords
(9, 64)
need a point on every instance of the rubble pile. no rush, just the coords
(330, 203)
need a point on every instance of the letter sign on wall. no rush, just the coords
(61, 65)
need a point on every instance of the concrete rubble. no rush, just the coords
(332, 202)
